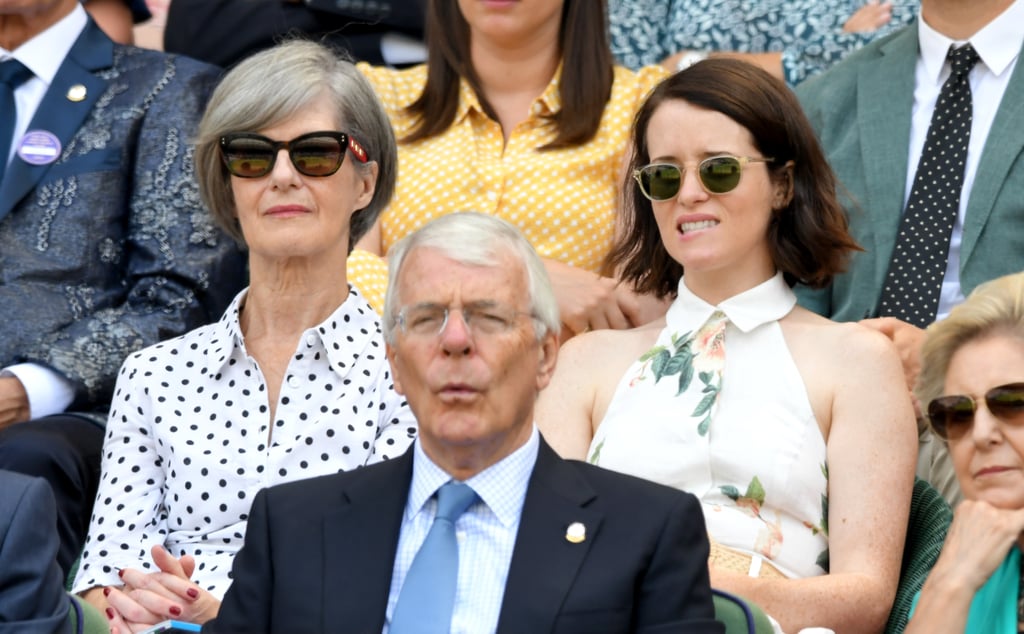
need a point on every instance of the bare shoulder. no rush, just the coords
(810, 335)
(609, 348)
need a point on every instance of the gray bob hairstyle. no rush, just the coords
(993, 308)
(272, 86)
(474, 239)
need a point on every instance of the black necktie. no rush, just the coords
(914, 282)
(12, 74)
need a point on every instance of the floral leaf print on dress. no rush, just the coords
(701, 353)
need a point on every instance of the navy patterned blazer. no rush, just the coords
(109, 249)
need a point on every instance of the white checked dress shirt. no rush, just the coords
(486, 533)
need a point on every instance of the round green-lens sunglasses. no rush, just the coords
(717, 175)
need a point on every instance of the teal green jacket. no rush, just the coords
(861, 110)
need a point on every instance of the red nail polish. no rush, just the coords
(110, 613)
(106, 592)
(175, 610)
(193, 593)
(120, 573)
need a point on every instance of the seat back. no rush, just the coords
(85, 618)
(930, 516)
(739, 615)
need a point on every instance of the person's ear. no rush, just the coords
(396, 373)
(546, 362)
(368, 179)
(783, 193)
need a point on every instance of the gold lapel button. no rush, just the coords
(76, 92)
(576, 533)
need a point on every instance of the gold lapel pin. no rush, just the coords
(76, 92)
(576, 533)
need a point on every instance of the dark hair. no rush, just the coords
(585, 85)
(809, 239)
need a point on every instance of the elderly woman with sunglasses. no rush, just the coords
(520, 113)
(792, 430)
(295, 157)
(972, 380)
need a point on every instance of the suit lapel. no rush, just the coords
(360, 543)
(555, 498)
(57, 113)
(884, 106)
(1002, 148)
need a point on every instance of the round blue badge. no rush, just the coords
(39, 147)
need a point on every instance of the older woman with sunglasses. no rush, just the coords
(296, 158)
(972, 380)
(793, 430)
(519, 113)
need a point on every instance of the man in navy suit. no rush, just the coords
(105, 246)
(549, 545)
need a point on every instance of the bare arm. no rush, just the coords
(565, 408)
(871, 450)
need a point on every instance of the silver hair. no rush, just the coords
(474, 239)
(274, 85)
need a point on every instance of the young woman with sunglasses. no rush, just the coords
(797, 433)
(295, 157)
(519, 112)
(972, 380)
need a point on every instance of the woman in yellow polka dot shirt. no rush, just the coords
(518, 113)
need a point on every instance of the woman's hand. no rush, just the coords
(978, 541)
(869, 18)
(588, 301)
(149, 598)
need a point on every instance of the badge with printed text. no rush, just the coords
(39, 147)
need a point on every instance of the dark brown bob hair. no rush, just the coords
(809, 238)
(585, 85)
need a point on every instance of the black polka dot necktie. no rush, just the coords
(12, 74)
(914, 282)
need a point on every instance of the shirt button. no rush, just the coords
(310, 340)
(293, 381)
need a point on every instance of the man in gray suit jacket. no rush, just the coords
(872, 112)
(104, 244)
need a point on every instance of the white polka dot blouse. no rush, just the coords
(189, 440)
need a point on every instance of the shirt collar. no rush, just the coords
(547, 104)
(769, 301)
(502, 486)
(997, 44)
(359, 319)
(44, 53)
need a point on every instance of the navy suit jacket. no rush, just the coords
(861, 109)
(319, 554)
(32, 597)
(109, 249)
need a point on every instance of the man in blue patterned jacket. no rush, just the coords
(105, 246)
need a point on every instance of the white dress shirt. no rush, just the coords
(998, 45)
(48, 391)
(486, 533)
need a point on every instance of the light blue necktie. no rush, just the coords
(427, 597)
(12, 74)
